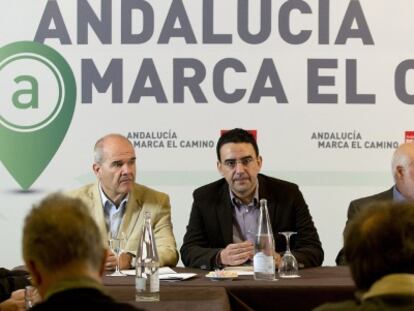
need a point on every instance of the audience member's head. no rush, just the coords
(403, 170)
(380, 241)
(61, 240)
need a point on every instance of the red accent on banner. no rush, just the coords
(409, 136)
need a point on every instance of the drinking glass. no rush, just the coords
(31, 296)
(288, 267)
(117, 245)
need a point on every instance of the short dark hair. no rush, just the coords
(236, 135)
(380, 241)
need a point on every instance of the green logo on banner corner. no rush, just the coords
(37, 101)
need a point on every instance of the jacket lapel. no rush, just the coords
(264, 193)
(132, 213)
(224, 210)
(97, 211)
(95, 207)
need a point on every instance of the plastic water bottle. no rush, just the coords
(263, 261)
(147, 283)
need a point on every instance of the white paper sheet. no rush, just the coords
(166, 274)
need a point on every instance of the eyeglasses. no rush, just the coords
(232, 163)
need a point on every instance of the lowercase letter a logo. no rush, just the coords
(37, 101)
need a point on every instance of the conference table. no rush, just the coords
(315, 286)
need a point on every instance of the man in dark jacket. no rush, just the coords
(402, 166)
(224, 215)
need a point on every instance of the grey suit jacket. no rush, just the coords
(355, 207)
(140, 200)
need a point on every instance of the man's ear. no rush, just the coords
(103, 261)
(260, 161)
(220, 168)
(399, 172)
(96, 169)
(34, 273)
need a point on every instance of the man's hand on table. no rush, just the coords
(124, 261)
(237, 253)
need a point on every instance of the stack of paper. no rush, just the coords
(166, 274)
(240, 270)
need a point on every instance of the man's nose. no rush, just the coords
(126, 169)
(239, 167)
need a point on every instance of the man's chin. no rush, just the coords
(242, 185)
(242, 189)
(125, 186)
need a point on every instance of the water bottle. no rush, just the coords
(147, 283)
(263, 262)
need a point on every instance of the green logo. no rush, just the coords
(37, 101)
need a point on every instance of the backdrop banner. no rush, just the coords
(327, 85)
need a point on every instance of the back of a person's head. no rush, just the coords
(59, 232)
(236, 135)
(380, 241)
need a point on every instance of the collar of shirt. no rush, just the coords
(105, 199)
(245, 218)
(397, 196)
(113, 214)
(238, 204)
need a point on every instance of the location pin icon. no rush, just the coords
(37, 101)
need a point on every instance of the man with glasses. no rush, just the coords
(224, 215)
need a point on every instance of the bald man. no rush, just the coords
(402, 166)
(118, 204)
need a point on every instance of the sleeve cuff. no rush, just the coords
(218, 263)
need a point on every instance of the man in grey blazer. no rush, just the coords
(118, 204)
(402, 166)
(224, 216)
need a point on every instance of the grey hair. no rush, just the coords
(401, 159)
